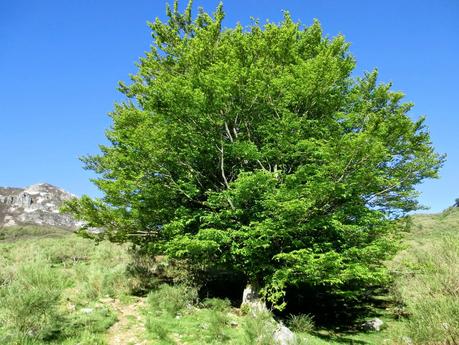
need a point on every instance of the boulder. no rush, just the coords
(284, 336)
(373, 325)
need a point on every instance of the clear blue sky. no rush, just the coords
(60, 62)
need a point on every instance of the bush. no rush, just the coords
(434, 320)
(157, 327)
(30, 302)
(217, 304)
(98, 321)
(98, 281)
(301, 323)
(218, 322)
(172, 299)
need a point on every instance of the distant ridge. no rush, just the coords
(37, 204)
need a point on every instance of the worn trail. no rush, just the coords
(130, 327)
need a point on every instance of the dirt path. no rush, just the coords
(130, 327)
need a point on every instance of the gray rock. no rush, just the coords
(373, 324)
(35, 205)
(284, 336)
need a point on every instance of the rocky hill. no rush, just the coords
(35, 205)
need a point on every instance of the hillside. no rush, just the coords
(57, 288)
(427, 278)
(37, 204)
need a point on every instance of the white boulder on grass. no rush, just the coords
(373, 324)
(284, 336)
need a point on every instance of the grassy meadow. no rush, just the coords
(58, 288)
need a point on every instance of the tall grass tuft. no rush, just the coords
(303, 323)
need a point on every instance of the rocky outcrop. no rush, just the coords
(35, 205)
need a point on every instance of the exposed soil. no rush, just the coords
(130, 327)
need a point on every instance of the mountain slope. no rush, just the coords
(35, 205)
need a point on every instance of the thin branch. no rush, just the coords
(235, 126)
(228, 132)
(222, 168)
(390, 188)
(261, 165)
(222, 165)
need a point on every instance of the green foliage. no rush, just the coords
(301, 323)
(217, 304)
(172, 299)
(254, 150)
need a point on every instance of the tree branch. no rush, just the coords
(228, 132)
(222, 168)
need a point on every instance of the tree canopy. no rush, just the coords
(254, 150)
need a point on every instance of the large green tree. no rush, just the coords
(254, 150)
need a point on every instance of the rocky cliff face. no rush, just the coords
(35, 205)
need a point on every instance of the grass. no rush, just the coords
(211, 321)
(50, 284)
(427, 279)
(53, 283)
(301, 323)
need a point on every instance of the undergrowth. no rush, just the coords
(53, 286)
(50, 288)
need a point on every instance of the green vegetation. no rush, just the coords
(244, 155)
(427, 281)
(253, 152)
(57, 288)
(184, 320)
(51, 283)
(301, 323)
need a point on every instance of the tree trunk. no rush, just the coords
(251, 298)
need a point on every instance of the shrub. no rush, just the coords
(98, 321)
(172, 299)
(218, 322)
(97, 281)
(301, 323)
(37, 273)
(156, 327)
(217, 304)
(30, 302)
